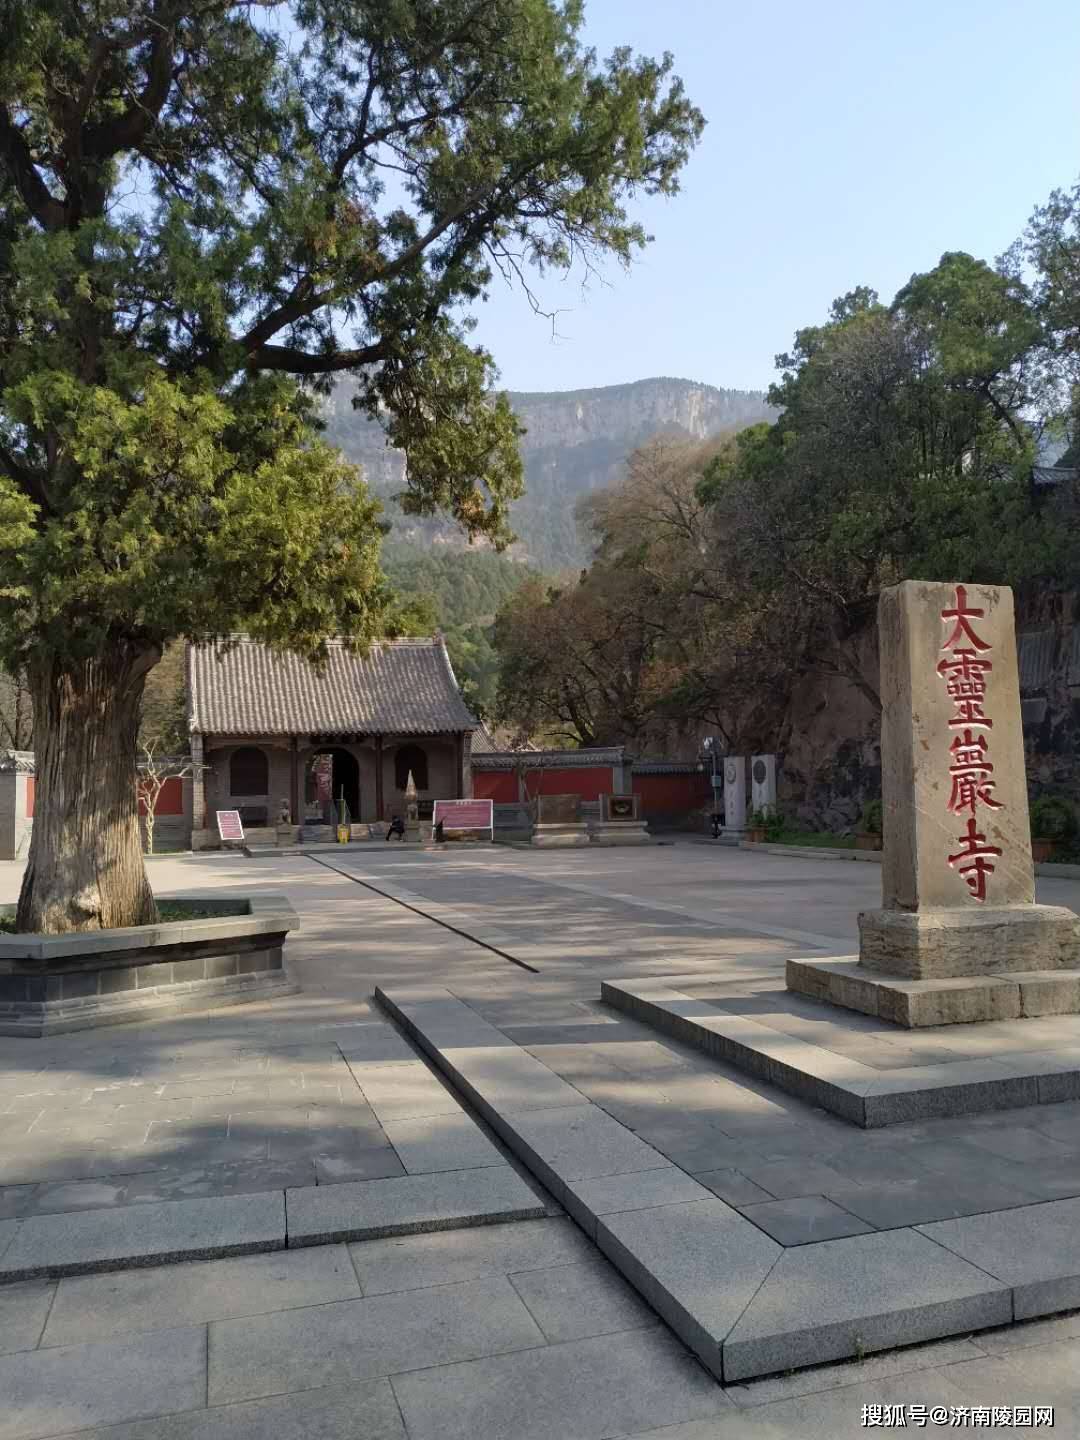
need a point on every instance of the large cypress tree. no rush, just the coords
(208, 208)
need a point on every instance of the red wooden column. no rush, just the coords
(459, 763)
(378, 778)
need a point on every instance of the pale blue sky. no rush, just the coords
(849, 142)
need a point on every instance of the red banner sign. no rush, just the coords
(229, 826)
(464, 814)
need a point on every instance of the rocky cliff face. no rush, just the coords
(576, 441)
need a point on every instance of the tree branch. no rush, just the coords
(300, 362)
(50, 213)
(100, 142)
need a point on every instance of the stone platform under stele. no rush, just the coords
(1031, 1062)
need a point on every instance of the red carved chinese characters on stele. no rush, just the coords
(964, 668)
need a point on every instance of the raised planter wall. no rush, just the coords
(55, 983)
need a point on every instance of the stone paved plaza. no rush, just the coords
(316, 1120)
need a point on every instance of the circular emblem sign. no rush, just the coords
(730, 772)
(760, 772)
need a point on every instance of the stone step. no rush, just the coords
(741, 1302)
(866, 1096)
(410, 1204)
(169, 1231)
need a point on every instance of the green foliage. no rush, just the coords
(872, 817)
(179, 513)
(195, 223)
(1053, 818)
(458, 591)
(904, 451)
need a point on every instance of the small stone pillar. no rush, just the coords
(412, 810)
(763, 784)
(735, 795)
(958, 937)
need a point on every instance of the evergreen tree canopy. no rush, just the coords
(207, 209)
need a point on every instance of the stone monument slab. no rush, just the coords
(558, 822)
(958, 884)
(620, 822)
(620, 807)
(763, 783)
(734, 794)
(558, 809)
(954, 784)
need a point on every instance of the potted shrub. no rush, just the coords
(869, 836)
(757, 826)
(1053, 823)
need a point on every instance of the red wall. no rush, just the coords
(672, 794)
(588, 781)
(498, 785)
(29, 797)
(171, 799)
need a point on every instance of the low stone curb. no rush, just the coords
(867, 1097)
(746, 1306)
(166, 1232)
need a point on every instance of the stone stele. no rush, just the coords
(558, 822)
(958, 884)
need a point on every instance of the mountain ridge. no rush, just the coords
(576, 441)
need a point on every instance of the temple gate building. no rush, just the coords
(282, 740)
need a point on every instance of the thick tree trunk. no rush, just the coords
(85, 870)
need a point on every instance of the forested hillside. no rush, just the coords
(575, 442)
(464, 589)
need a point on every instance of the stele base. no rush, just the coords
(559, 836)
(952, 966)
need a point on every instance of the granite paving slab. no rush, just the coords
(362, 1339)
(585, 1389)
(574, 1302)
(1035, 1249)
(404, 1090)
(916, 1201)
(48, 1246)
(804, 1220)
(478, 1056)
(578, 1142)
(161, 1297)
(441, 1142)
(847, 1297)
(587, 1200)
(8, 1230)
(72, 1387)
(831, 1415)
(339, 1412)
(699, 1265)
(447, 1256)
(409, 1204)
(23, 1310)
(732, 1186)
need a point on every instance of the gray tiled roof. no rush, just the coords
(402, 687)
(488, 742)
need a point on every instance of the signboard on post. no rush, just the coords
(229, 825)
(465, 815)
